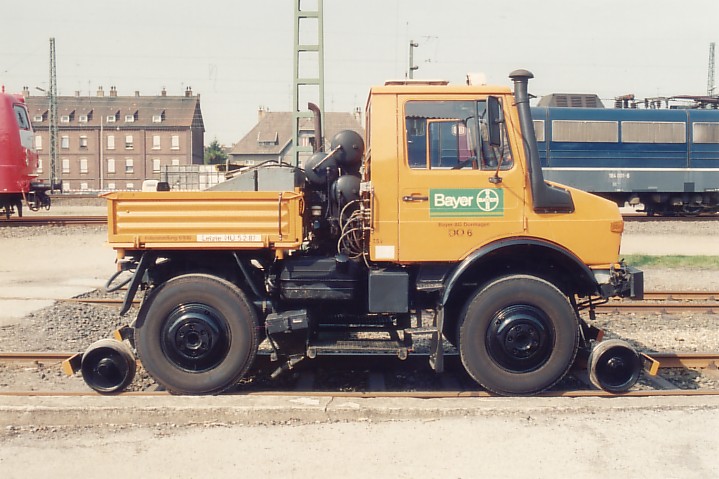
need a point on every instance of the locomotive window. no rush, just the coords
(22, 120)
(653, 132)
(539, 129)
(585, 131)
(705, 132)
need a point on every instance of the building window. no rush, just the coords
(82, 119)
(175, 162)
(130, 186)
(37, 118)
(111, 165)
(175, 142)
(83, 187)
(111, 186)
(110, 119)
(39, 166)
(65, 186)
(65, 165)
(65, 119)
(128, 142)
(129, 118)
(110, 142)
(38, 142)
(83, 141)
(129, 168)
(65, 142)
(157, 118)
(156, 165)
(83, 165)
(156, 142)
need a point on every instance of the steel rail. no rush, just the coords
(701, 360)
(658, 307)
(681, 295)
(54, 220)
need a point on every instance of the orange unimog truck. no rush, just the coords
(443, 228)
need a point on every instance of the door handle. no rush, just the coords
(415, 198)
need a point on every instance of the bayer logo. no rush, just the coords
(487, 200)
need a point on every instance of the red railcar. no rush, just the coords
(19, 181)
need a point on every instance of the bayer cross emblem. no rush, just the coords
(487, 200)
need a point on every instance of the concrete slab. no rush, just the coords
(36, 270)
(94, 411)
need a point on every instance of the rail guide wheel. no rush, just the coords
(614, 366)
(108, 366)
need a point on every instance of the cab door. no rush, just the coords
(456, 192)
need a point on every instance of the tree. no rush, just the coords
(214, 154)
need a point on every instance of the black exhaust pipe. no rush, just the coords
(319, 140)
(546, 198)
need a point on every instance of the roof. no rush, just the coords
(573, 100)
(273, 132)
(146, 111)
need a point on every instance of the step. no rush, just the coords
(343, 345)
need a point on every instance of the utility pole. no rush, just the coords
(309, 73)
(412, 66)
(52, 95)
(711, 85)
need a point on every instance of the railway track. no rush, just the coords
(375, 383)
(54, 220)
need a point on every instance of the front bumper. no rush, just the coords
(623, 281)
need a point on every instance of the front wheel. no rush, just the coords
(197, 334)
(518, 335)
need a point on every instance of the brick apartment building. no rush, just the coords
(111, 142)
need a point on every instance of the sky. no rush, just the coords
(238, 55)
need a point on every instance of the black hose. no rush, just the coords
(111, 289)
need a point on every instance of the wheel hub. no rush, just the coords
(195, 337)
(519, 338)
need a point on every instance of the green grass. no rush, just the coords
(676, 261)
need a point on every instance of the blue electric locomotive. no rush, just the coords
(665, 159)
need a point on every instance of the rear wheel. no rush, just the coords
(197, 334)
(518, 335)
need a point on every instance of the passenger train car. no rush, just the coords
(665, 159)
(18, 159)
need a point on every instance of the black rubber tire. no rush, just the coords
(507, 303)
(227, 308)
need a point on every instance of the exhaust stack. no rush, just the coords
(546, 198)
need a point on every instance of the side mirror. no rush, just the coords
(494, 119)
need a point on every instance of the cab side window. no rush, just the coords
(451, 135)
(21, 116)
